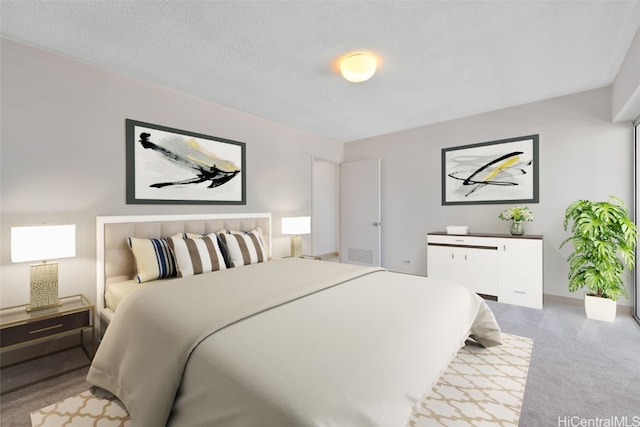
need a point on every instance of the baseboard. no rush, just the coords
(324, 257)
(331, 256)
(622, 309)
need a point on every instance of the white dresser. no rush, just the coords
(501, 266)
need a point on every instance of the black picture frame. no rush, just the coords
(173, 166)
(495, 172)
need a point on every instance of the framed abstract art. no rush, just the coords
(503, 171)
(166, 165)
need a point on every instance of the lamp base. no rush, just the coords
(296, 246)
(44, 286)
(29, 308)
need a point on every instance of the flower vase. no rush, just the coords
(517, 228)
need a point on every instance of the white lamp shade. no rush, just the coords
(296, 225)
(42, 242)
(358, 67)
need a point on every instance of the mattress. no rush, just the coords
(308, 343)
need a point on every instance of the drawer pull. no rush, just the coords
(520, 292)
(37, 331)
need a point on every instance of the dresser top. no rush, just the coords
(495, 235)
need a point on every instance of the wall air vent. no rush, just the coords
(363, 256)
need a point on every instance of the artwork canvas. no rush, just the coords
(166, 165)
(503, 171)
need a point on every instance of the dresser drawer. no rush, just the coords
(43, 328)
(527, 293)
(464, 241)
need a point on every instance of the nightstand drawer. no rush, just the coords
(43, 328)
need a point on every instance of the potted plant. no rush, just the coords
(604, 241)
(517, 215)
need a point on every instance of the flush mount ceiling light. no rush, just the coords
(358, 67)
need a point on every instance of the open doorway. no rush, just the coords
(324, 209)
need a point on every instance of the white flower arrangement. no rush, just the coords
(517, 214)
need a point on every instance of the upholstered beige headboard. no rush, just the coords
(115, 259)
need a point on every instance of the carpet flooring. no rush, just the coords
(15, 406)
(579, 368)
(583, 372)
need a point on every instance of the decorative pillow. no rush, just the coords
(154, 259)
(244, 248)
(197, 256)
(258, 231)
(194, 235)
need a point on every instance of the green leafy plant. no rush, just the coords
(604, 241)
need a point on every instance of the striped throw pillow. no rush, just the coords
(244, 248)
(197, 256)
(258, 232)
(154, 259)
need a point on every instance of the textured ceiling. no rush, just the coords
(440, 60)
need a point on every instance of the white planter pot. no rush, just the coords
(600, 308)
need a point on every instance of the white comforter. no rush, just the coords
(192, 353)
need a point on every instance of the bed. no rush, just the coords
(276, 342)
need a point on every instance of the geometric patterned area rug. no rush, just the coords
(94, 407)
(480, 387)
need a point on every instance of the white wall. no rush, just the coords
(63, 156)
(582, 155)
(625, 99)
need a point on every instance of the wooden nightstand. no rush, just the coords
(19, 327)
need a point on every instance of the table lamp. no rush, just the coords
(296, 226)
(43, 243)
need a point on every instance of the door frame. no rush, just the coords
(376, 222)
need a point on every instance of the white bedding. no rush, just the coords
(357, 354)
(116, 292)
